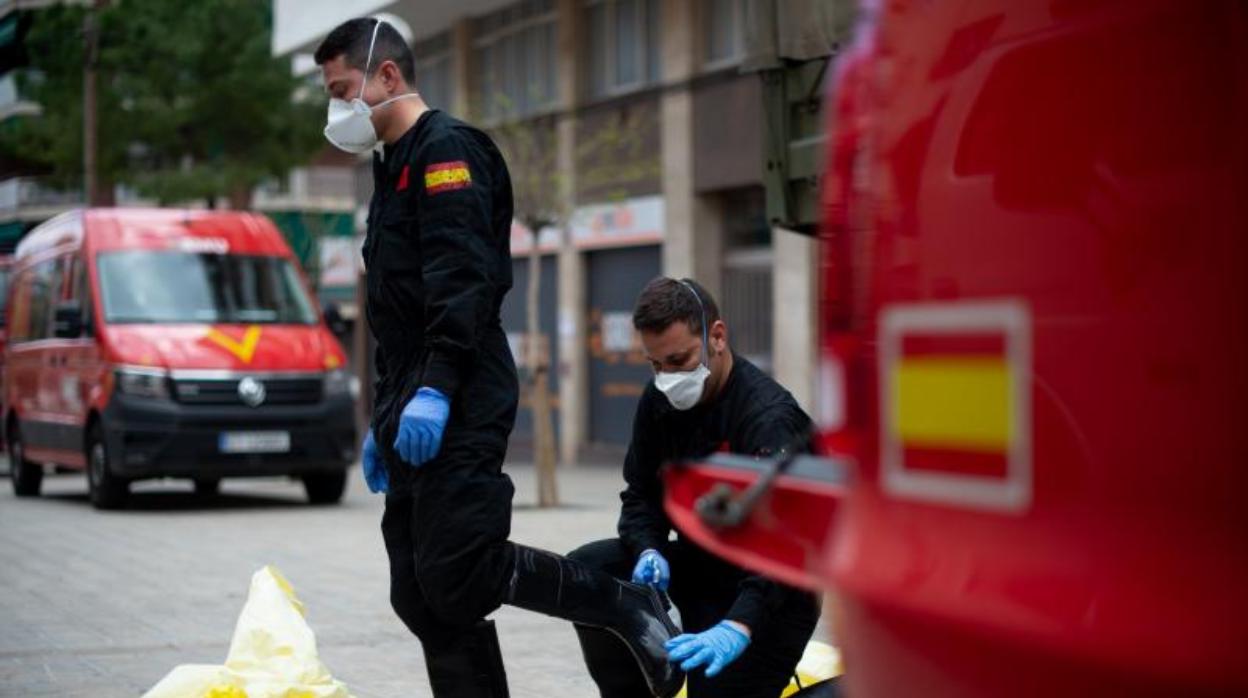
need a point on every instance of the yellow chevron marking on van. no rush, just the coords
(244, 350)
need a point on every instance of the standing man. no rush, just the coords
(745, 634)
(438, 264)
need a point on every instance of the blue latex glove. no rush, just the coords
(717, 647)
(421, 425)
(374, 469)
(652, 569)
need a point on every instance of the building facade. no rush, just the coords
(652, 134)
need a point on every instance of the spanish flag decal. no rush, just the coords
(446, 176)
(952, 408)
(955, 403)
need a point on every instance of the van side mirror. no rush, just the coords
(334, 320)
(67, 323)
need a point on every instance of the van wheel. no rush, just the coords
(107, 491)
(27, 476)
(207, 487)
(325, 488)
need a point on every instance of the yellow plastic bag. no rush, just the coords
(819, 662)
(272, 655)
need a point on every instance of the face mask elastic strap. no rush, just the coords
(368, 63)
(405, 95)
(706, 346)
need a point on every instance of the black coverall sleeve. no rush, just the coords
(454, 176)
(643, 523)
(757, 596)
(379, 362)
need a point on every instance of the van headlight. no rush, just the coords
(141, 382)
(339, 382)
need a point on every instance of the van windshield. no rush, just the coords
(148, 286)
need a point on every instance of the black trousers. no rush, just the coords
(446, 531)
(447, 521)
(703, 593)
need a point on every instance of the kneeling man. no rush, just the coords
(744, 634)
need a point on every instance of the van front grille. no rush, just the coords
(304, 390)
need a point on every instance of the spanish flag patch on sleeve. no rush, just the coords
(445, 176)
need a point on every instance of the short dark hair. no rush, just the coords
(664, 301)
(351, 39)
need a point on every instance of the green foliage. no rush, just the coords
(609, 158)
(55, 47)
(191, 103)
(537, 184)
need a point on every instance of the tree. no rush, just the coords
(191, 105)
(540, 202)
(608, 160)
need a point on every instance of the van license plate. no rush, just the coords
(254, 442)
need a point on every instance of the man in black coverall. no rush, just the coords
(748, 632)
(438, 265)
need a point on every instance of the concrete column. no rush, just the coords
(692, 242)
(571, 20)
(461, 68)
(681, 40)
(573, 365)
(795, 305)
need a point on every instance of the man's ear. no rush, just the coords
(719, 336)
(391, 77)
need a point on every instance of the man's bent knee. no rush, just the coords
(600, 554)
(460, 593)
(411, 608)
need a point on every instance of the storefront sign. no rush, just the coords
(636, 221)
(338, 261)
(522, 239)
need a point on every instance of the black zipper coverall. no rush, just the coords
(752, 415)
(438, 265)
(438, 262)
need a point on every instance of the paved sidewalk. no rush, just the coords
(103, 604)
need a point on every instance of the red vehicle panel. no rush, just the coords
(6, 271)
(1034, 340)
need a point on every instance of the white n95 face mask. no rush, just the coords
(349, 125)
(683, 388)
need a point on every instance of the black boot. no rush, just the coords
(610, 664)
(469, 665)
(556, 586)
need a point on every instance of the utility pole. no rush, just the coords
(90, 142)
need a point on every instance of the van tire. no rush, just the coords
(106, 490)
(325, 488)
(27, 477)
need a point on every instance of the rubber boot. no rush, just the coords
(556, 586)
(468, 666)
(610, 664)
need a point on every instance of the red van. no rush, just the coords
(163, 343)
